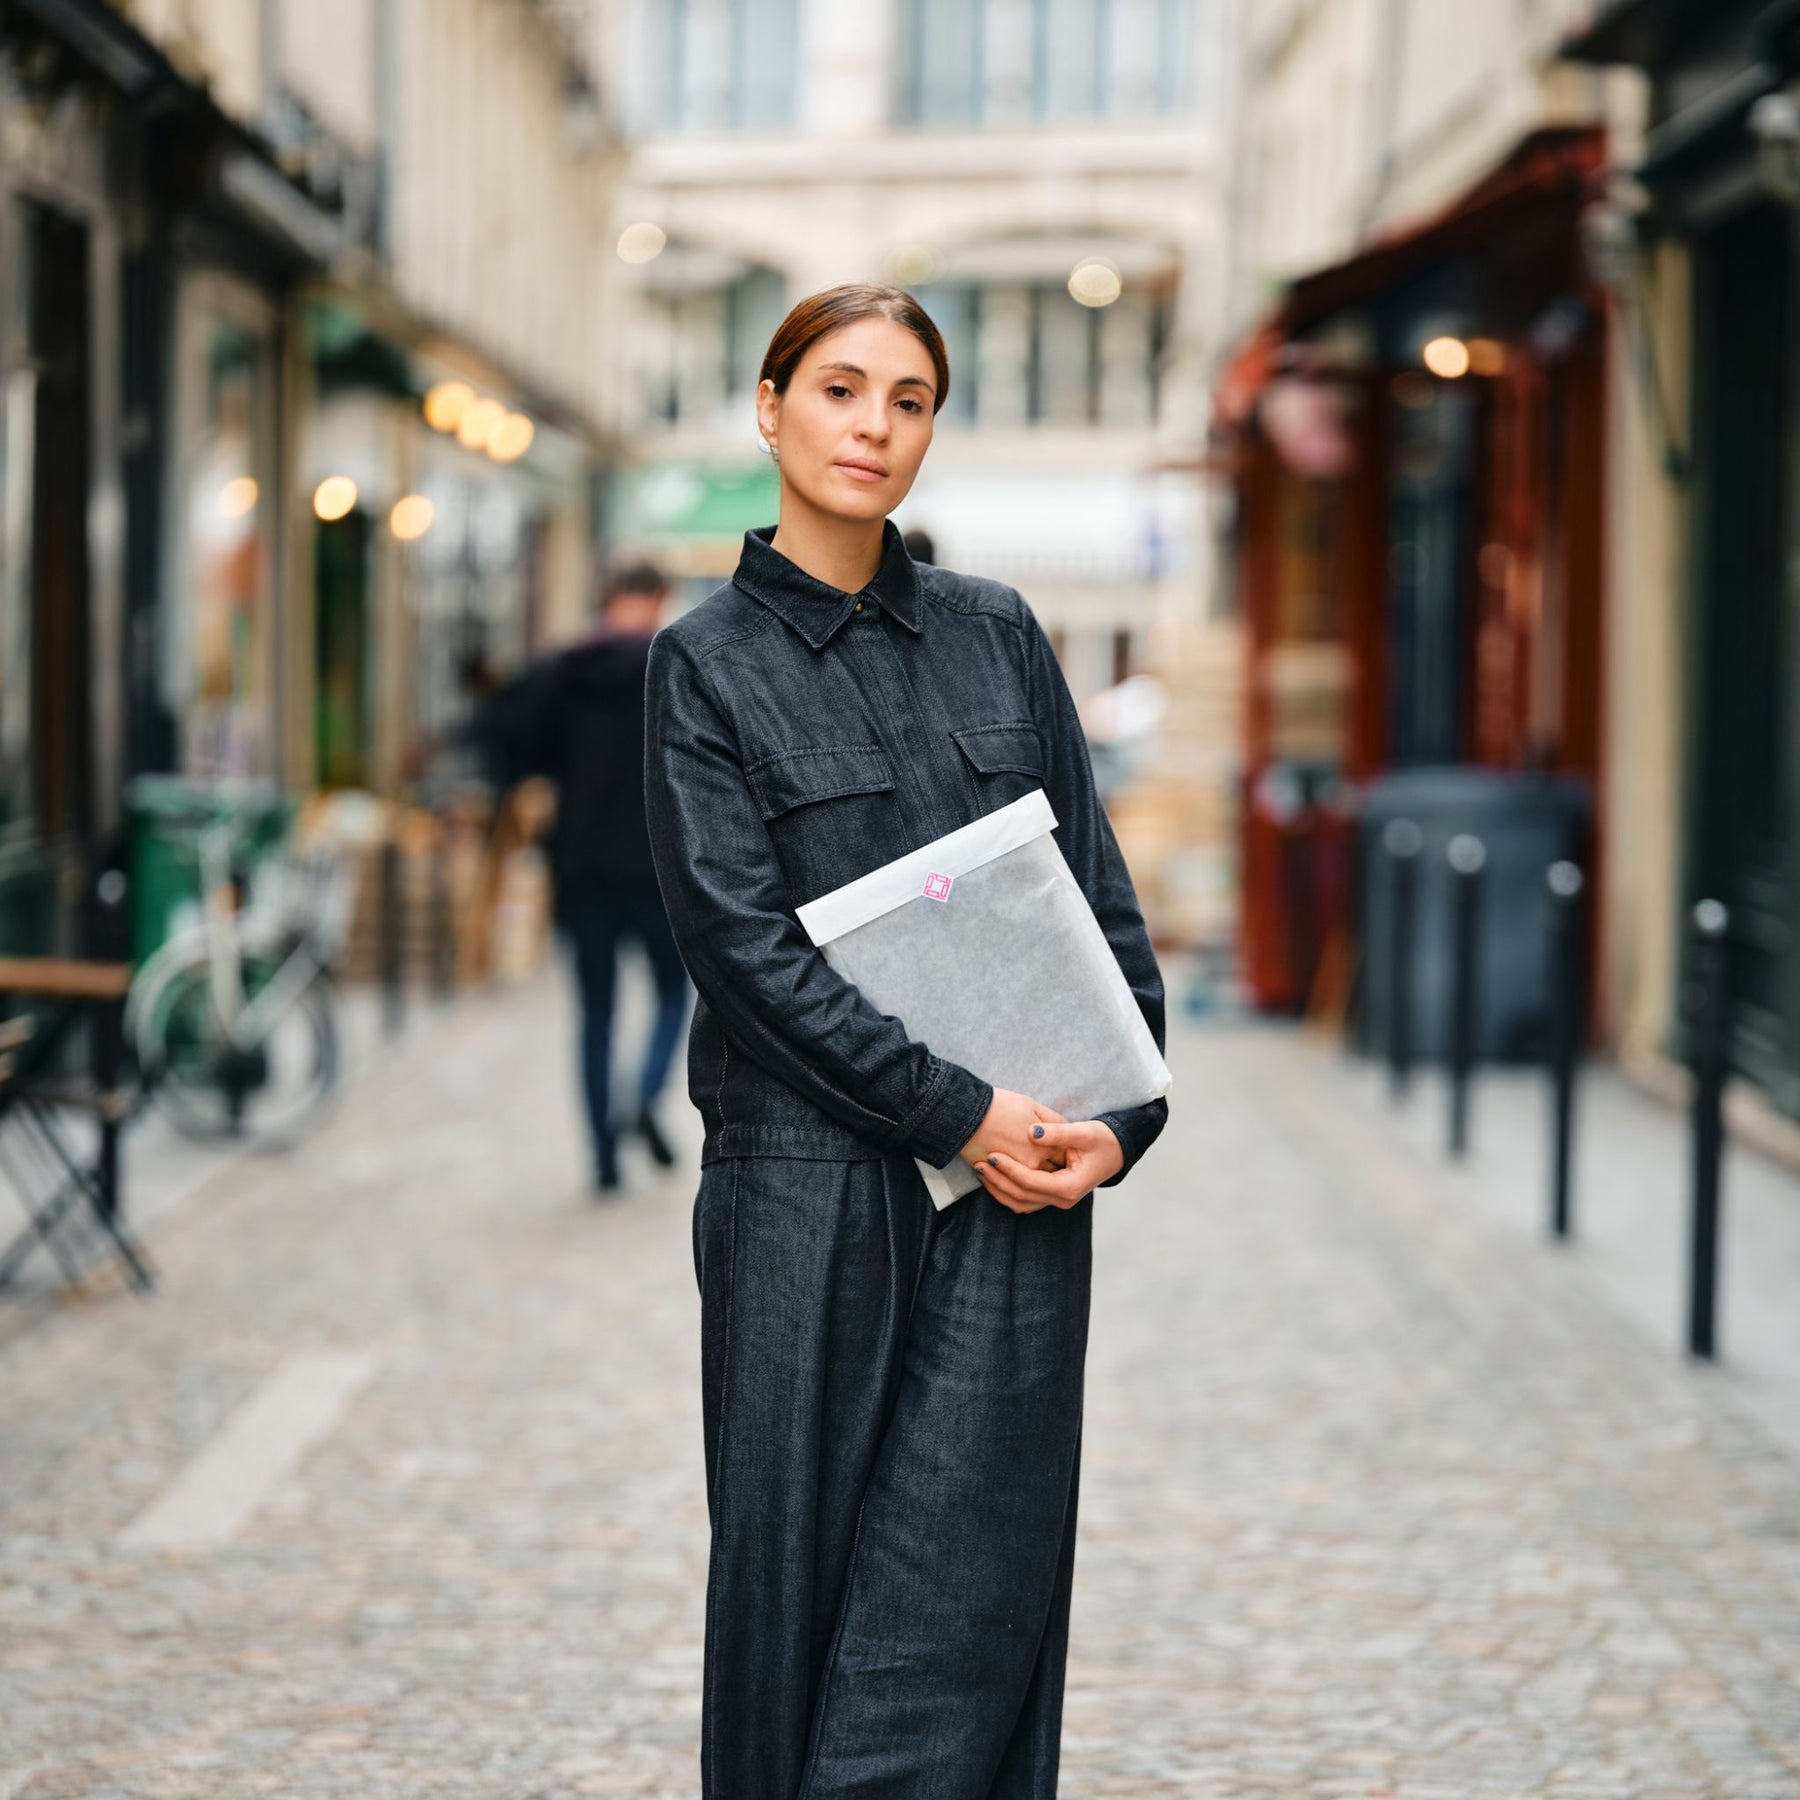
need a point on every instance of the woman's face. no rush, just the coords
(855, 422)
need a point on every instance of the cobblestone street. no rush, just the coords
(394, 1488)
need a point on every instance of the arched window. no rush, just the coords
(1025, 352)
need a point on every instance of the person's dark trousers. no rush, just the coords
(892, 1400)
(596, 925)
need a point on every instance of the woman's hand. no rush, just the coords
(1007, 1127)
(1089, 1153)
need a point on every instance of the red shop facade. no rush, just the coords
(1415, 445)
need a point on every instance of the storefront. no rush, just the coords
(1414, 443)
(63, 464)
(1720, 178)
(449, 515)
(147, 249)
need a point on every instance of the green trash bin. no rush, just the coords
(166, 815)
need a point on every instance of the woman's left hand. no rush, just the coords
(1090, 1153)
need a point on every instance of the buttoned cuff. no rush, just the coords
(1136, 1128)
(955, 1103)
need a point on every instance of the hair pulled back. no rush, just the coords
(829, 310)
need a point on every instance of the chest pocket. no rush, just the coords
(828, 812)
(792, 778)
(1008, 759)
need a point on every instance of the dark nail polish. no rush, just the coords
(1037, 1131)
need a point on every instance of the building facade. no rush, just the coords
(976, 152)
(304, 371)
(1411, 430)
(1700, 222)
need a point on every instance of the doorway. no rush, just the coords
(46, 661)
(1744, 798)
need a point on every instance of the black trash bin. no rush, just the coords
(1525, 822)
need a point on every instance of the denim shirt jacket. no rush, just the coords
(796, 737)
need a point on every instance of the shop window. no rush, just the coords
(218, 648)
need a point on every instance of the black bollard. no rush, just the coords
(1404, 842)
(443, 938)
(1709, 1017)
(1358, 1008)
(392, 950)
(111, 934)
(1467, 857)
(1566, 1010)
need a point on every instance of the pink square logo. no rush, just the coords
(937, 887)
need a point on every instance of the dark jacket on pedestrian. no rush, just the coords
(578, 718)
(799, 737)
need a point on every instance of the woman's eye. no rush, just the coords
(912, 405)
(837, 387)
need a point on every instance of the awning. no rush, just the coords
(1652, 33)
(243, 179)
(1550, 164)
(1547, 163)
(104, 41)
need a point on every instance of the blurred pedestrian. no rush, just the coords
(578, 718)
(892, 1394)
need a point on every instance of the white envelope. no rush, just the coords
(983, 945)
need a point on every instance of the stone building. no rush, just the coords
(976, 153)
(1046, 176)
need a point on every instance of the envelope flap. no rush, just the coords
(902, 880)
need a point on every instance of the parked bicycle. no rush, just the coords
(234, 1021)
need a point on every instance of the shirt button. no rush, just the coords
(859, 606)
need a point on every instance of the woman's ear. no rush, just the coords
(768, 409)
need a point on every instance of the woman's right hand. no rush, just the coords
(1007, 1127)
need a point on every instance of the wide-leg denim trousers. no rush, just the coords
(893, 1431)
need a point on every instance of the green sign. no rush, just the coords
(684, 502)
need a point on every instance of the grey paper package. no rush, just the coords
(985, 947)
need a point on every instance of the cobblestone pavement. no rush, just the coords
(394, 1489)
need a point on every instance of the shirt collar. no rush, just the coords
(814, 608)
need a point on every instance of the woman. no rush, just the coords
(892, 1394)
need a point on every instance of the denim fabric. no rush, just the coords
(892, 1394)
(893, 1415)
(797, 736)
(596, 924)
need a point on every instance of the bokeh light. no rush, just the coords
(334, 497)
(511, 438)
(642, 242)
(446, 404)
(1095, 282)
(411, 517)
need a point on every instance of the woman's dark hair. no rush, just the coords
(831, 309)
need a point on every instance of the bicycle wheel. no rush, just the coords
(267, 1093)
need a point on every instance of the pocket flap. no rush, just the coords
(790, 778)
(1013, 745)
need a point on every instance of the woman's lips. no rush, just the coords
(862, 474)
